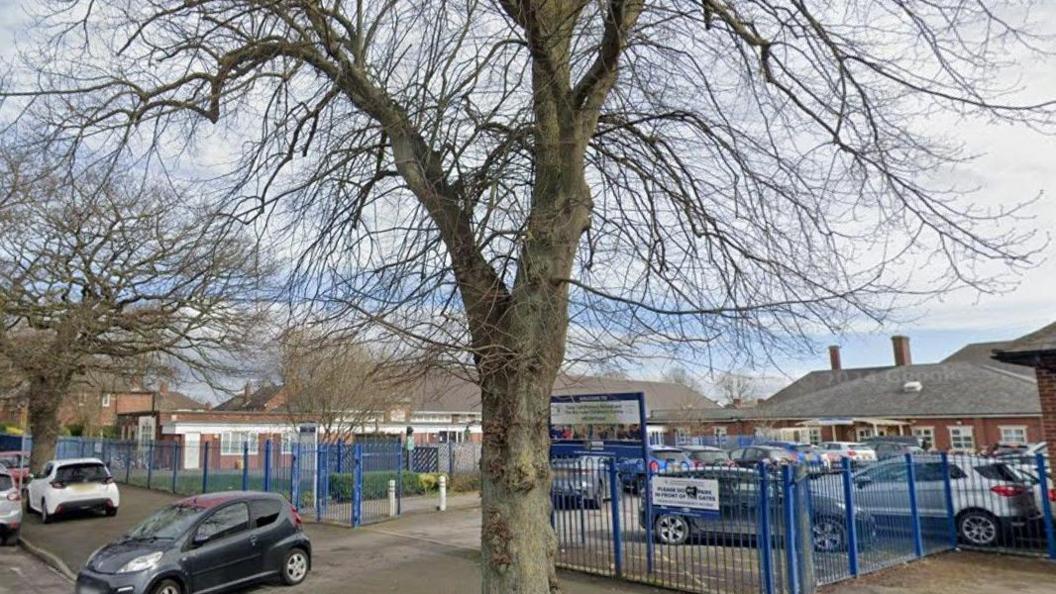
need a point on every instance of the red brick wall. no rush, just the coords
(1046, 374)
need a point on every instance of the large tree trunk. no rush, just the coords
(44, 398)
(517, 542)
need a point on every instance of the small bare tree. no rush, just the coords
(337, 382)
(99, 275)
(516, 180)
(737, 387)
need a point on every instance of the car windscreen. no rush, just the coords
(14, 461)
(5, 482)
(89, 472)
(669, 456)
(167, 523)
(708, 456)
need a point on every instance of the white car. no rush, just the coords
(857, 452)
(72, 485)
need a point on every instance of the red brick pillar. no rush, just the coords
(1046, 374)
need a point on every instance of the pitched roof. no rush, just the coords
(258, 400)
(1040, 341)
(171, 400)
(982, 353)
(819, 380)
(447, 392)
(947, 389)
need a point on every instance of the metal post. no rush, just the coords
(443, 493)
(399, 476)
(804, 533)
(245, 465)
(295, 476)
(392, 498)
(765, 543)
(852, 526)
(175, 463)
(267, 465)
(1046, 504)
(914, 509)
(128, 461)
(150, 462)
(450, 459)
(947, 487)
(614, 502)
(340, 456)
(319, 459)
(205, 467)
(357, 485)
(648, 496)
(789, 509)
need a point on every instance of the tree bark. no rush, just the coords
(45, 395)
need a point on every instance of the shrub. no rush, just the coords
(464, 483)
(375, 484)
(429, 481)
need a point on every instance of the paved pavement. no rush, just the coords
(22, 573)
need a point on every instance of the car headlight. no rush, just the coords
(141, 563)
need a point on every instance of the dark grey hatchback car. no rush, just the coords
(207, 543)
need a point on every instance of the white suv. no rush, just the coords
(857, 452)
(71, 485)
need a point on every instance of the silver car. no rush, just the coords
(990, 500)
(10, 508)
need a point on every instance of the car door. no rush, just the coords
(35, 491)
(884, 490)
(931, 489)
(223, 551)
(269, 527)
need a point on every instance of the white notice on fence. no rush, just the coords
(595, 412)
(692, 493)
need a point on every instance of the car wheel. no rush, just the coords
(978, 528)
(829, 535)
(110, 512)
(295, 567)
(45, 517)
(167, 587)
(672, 530)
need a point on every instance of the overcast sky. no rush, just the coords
(1014, 165)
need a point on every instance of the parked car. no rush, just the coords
(662, 459)
(579, 482)
(737, 521)
(857, 452)
(73, 485)
(893, 449)
(10, 508)
(204, 543)
(702, 456)
(751, 456)
(989, 499)
(17, 465)
(803, 452)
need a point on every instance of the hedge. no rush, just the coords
(375, 484)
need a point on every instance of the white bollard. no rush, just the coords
(443, 493)
(392, 498)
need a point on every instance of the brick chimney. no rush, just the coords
(901, 348)
(834, 358)
(246, 392)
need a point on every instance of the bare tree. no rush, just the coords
(339, 383)
(101, 277)
(736, 387)
(472, 176)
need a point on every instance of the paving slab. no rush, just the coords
(22, 573)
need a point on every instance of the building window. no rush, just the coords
(231, 443)
(815, 435)
(864, 432)
(106, 401)
(961, 438)
(926, 435)
(288, 440)
(720, 431)
(1013, 434)
(451, 436)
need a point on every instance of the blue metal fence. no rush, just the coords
(347, 483)
(788, 529)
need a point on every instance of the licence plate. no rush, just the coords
(82, 488)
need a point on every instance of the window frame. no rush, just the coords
(953, 440)
(249, 438)
(1001, 431)
(720, 431)
(214, 538)
(925, 433)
